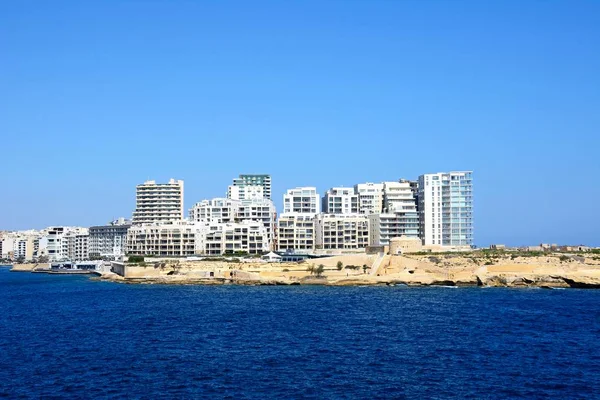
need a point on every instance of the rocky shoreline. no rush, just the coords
(454, 270)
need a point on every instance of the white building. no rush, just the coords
(386, 226)
(244, 180)
(109, 241)
(399, 196)
(75, 244)
(161, 202)
(166, 239)
(340, 201)
(245, 192)
(296, 232)
(303, 200)
(370, 197)
(446, 208)
(261, 210)
(228, 238)
(215, 210)
(341, 231)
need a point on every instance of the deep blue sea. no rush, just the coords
(67, 336)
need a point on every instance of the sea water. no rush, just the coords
(68, 336)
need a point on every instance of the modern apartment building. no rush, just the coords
(160, 202)
(109, 241)
(386, 226)
(166, 239)
(246, 192)
(370, 197)
(75, 245)
(303, 200)
(340, 200)
(54, 247)
(341, 231)
(253, 180)
(446, 208)
(399, 196)
(296, 232)
(216, 210)
(227, 238)
(261, 210)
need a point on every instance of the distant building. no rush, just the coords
(340, 200)
(370, 197)
(109, 241)
(246, 192)
(385, 226)
(303, 200)
(341, 231)
(243, 180)
(160, 202)
(227, 238)
(296, 232)
(166, 239)
(446, 208)
(215, 210)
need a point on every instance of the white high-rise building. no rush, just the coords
(303, 200)
(340, 200)
(446, 208)
(341, 231)
(260, 210)
(370, 197)
(160, 202)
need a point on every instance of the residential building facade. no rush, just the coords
(158, 202)
(446, 208)
(167, 239)
(109, 241)
(340, 200)
(341, 231)
(303, 200)
(263, 180)
(296, 232)
(228, 238)
(370, 197)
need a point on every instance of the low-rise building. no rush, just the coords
(296, 232)
(341, 232)
(384, 226)
(228, 238)
(109, 241)
(168, 239)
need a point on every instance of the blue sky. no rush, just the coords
(96, 97)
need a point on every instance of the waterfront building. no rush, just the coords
(243, 180)
(296, 232)
(160, 202)
(370, 197)
(303, 200)
(215, 210)
(446, 208)
(163, 239)
(75, 244)
(386, 226)
(228, 238)
(341, 231)
(109, 241)
(340, 200)
(399, 196)
(245, 192)
(260, 210)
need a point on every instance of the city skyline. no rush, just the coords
(99, 97)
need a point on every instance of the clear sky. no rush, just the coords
(96, 97)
